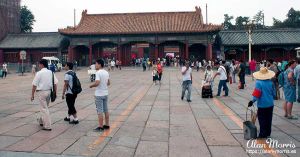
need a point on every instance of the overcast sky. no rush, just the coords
(53, 14)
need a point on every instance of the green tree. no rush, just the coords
(277, 23)
(259, 20)
(292, 20)
(27, 19)
(227, 22)
(240, 22)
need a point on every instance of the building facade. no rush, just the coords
(9, 17)
(36, 45)
(132, 35)
(276, 44)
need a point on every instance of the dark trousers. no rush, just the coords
(265, 121)
(223, 84)
(242, 80)
(70, 98)
(159, 76)
(4, 74)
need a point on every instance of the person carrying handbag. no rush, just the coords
(264, 94)
(44, 83)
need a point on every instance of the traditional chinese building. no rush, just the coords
(276, 44)
(129, 35)
(37, 46)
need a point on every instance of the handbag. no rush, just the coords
(250, 130)
(53, 92)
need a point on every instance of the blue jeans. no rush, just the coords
(223, 84)
(186, 85)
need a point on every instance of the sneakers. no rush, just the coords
(67, 119)
(189, 100)
(106, 127)
(98, 129)
(74, 122)
(47, 129)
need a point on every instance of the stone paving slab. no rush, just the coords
(152, 149)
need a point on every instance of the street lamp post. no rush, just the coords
(249, 28)
(250, 43)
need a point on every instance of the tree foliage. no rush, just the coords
(27, 19)
(227, 22)
(292, 20)
(241, 21)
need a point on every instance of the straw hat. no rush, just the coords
(264, 74)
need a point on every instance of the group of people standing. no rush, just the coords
(45, 83)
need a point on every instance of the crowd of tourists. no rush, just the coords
(269, 78)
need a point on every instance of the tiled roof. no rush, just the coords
(32, 40)
(262, 37)
(135, 23)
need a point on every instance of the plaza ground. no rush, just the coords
(146, 120)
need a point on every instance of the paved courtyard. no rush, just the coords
(146, 120)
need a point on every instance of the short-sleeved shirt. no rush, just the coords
(113, 63)
(222, 72)
(43, 80)
(264, 93)
(187, 75)
(69, 78)
(4, 67)
(102, 89)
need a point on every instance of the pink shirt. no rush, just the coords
(252, 65)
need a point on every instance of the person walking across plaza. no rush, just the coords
(101, 95)
(4, 70)
(297, 75)
(223, 78)
(187, 79)
(273, 67)
(242, 74)
(42, 84)
(70, 96)
(289, 89)
(159, 70)
(264, 95)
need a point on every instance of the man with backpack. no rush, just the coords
(72, 88)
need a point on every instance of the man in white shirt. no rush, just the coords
(223, 78)
(42, 84)
(4, 67)
(187, 78)
(101, 94)
(113, 64)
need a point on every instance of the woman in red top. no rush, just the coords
(252, 66)
(159, 70)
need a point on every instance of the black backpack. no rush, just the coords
(76, 83)
(227, 68)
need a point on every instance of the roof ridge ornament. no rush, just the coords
(199, 12)
(84, 12)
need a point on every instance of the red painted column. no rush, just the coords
(118, 53)
(1, 57)
(90, 54)
(156, 51)
(70, 54)
(187, 50)
(209, 51)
